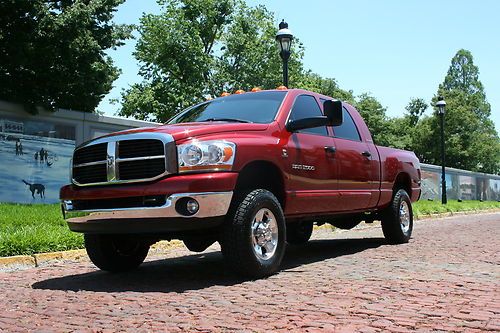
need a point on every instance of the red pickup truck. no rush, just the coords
(253, 171)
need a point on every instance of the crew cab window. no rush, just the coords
(348, 128)
(305, 106)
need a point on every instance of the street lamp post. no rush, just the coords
(284, 38)
(441, 104)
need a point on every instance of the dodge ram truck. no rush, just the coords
(253, 171)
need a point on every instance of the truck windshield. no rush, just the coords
(256, 107)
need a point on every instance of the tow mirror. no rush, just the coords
(297, 125)
(333, 111)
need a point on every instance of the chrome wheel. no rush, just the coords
(264, 234)
(404, 217)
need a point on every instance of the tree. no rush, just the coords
(326, 86)
(52, 52)
(375, 118)
(197, 49)
(415, 108)
(471, 140)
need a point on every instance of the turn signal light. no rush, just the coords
(255, 89)
(281, 88)
(239, 92)
(224, 94)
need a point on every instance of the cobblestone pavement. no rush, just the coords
(445, 279)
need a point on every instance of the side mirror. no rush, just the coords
(297, 125)
(333, 111)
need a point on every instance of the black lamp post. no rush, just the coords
(441, 104)
(284, 38)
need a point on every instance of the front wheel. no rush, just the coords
(253, 240)
(115, 253)
(397, 222)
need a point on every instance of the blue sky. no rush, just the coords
(394, 50)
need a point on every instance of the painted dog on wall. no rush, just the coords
(38, 188)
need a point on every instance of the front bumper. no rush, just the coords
(149, 208)
(213, 206)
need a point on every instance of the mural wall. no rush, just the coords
(34, 160)
(463, 185)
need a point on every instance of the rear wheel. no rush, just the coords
(115, 253)
(253, 240)
(299, 233)
(397, 222)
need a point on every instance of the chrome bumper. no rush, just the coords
(211, 204)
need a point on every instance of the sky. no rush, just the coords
(394, 50)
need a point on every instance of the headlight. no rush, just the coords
(216, 155)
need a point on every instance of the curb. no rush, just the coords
(39, 259)
(449, 214)
(35, 260)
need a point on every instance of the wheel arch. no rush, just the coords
(402, 181)
(262, 174)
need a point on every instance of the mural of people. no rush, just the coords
(34, 161)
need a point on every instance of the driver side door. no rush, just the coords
(310, 163)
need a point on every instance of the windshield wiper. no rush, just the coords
(227, 119)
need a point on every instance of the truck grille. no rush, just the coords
(123, 159)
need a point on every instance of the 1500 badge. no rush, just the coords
(303, 167)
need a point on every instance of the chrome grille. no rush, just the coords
(90, 154)
(124, 159)
(140, 148)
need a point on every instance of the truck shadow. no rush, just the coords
(201, 270)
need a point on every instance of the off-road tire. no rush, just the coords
(115, 253)
(298, 233)
(236, 239)
(392, 226)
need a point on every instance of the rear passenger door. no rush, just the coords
(355, 169)
(310, 163)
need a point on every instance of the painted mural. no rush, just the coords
(34, 160)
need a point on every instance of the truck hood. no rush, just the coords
(188, 130)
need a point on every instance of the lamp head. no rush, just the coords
(284, 37)
(441, 104)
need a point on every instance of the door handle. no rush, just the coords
(330, 149)
(366, 154)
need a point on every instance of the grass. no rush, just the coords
(29, 229)
(425, 207)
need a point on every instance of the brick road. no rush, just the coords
(445, 279)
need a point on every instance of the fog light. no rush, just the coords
(192, 206)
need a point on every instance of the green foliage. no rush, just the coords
(195, 49)
(423, 207)
(29, 229)
(471, 140)
(52, 52)
(375, 118)
(326, 86)
(415, 108)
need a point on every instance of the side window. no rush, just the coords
(348, 128)
(305, 106)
